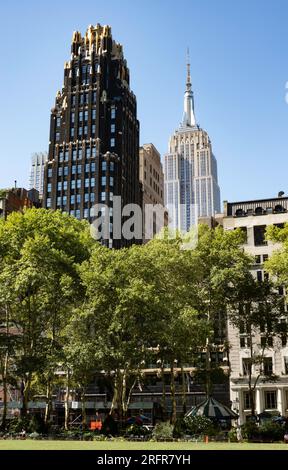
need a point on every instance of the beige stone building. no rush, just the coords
(152, 179)
(253, 217)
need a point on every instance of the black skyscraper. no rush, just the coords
(94, 132)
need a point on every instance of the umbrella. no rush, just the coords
(212, 408)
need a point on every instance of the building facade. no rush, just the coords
(94, 134)
(270, 396)
(36, 179)
(16, 200)
(190, 171)
(152, 180)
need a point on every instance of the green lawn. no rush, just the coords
(120, 445)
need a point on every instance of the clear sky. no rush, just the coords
(239, 68)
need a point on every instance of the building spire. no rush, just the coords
(189, 116)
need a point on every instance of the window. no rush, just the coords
(86, 213)
(93, 113)
(242, 342)
(92, 166)
(103, 181)
(66, 170)
(93, 130)
(88, 152)
(65, 185)
(112, 142)
(86, 197)
(247, 400)
(246, 365)
(49, 187)
(103, 166)
(87, 181)
(73, 169)
(74, 154)
(77, 214)
(78, 184)
(268, 366)
(73, 117)
(94, 96)
(112, 128)
(48, 203)
(73, 100)
(61, 155)
(92, 182)
(286, 365)
(72, 199)
(103, 196)
(259, 235)
(79, 154)
(265, 258)
(111, 180)
(86, 115)
(58, 121)
(270, 400)
(111, 166)
(79, 169)
(57, 136)
(259, 276)
(73, 184)
(85, 130)
(59, 186)
(80, 116)
(81, 98)
(80, 131)
(87, 168)
(49, 172)
(72, 132)
(94, 152)
(59, 201)
(258, 259)
(64, 200)
(92, 197)
(113, 112)
(78, 198)
(66, 155)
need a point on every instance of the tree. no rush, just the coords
(42, 248)
(277, 264)
(256, 313)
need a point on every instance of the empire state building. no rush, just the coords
(190, 170)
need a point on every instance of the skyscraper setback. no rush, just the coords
(190, 170)
(94, 132)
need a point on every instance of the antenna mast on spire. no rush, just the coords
(188, 67)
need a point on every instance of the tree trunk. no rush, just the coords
(4, 385)
(25, 397)
(184, 403)
(83, 406)
(66, 404)
(163, 400)
(48, 407)
(173, 398)
(5, 371)
(208, 370)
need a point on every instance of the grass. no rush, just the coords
(30, 444)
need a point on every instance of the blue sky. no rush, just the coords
(239, 67)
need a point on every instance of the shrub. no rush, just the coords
(136, 430)
(163, 431)
(199, 425)
(250, 430)
(271, 431)
(34, 435)
(232, 435)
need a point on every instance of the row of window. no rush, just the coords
(88, 197)
(84, 98)
(88, 182)
(270, 400)
(89, 167)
